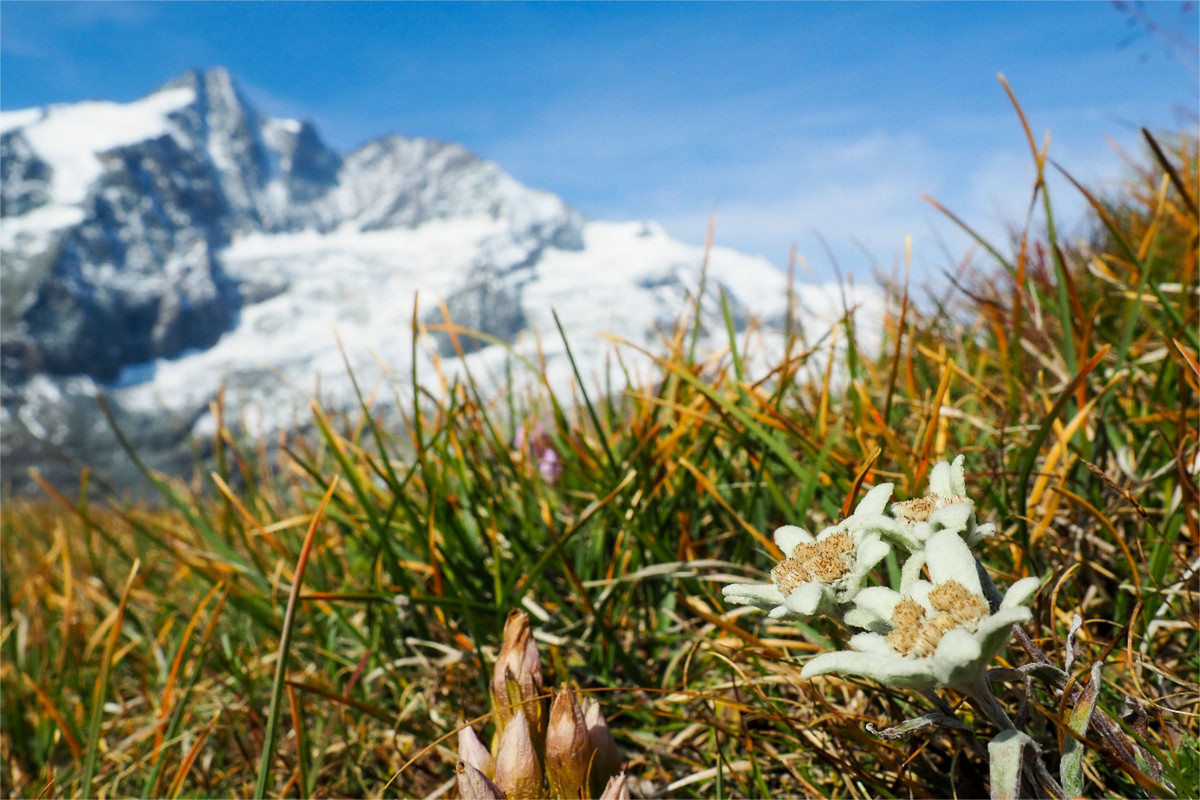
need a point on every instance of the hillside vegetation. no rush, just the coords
(140, 645)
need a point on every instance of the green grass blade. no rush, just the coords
(285, 643)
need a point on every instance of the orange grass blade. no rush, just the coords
(165, 706)
(68, 595)
(1190, 360)
(341, 699)
(301, 741)
(891, 384)
(285, 641)
(186, 765)
(931, 424)
(848, 503)
(823, 402)
(1044, 429)
(1063, 439)
(52, 710)
(89, 769)
(707, 485)
(1012, 97)
(224, 489)
(1134, 572)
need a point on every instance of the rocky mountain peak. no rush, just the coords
(164, 248)
(209, 84)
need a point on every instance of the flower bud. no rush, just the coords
(607, 760)
(473, 752)
(518, 768)
(474, 785)
(517, 676)
(569, 748)
(617, 788)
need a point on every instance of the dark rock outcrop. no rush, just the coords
(24, 178)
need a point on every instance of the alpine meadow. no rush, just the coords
(892, 542)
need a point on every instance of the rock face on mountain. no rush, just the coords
(159, 250)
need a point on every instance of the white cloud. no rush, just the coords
(783, 177)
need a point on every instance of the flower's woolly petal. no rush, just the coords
(950, 559)
(1003, 620)
(841, 662)
(893, 670)
(959, 658)
(953, 517)
(848, 587)
(863, 524)
(939, 480)
(870, 643)
(995, 631)
(825, 533)
(785, 614)
(873, 607)
(806, 598)
(980, 532)
(899, 531)
(870, 551)
(858, 618)
(762, 595)
(922, 530)
(787, 537)
(875, 501)
(919, 591)
(912, 570)
(1019, 592)
(958, 477)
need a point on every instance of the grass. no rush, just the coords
(319, 618)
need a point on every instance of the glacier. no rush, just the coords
(167, 249)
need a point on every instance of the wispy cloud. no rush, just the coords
(790, 177)
(94, 12)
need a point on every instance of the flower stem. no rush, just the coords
(941, 705)
(984, 701)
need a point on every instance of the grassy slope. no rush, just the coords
(1068, 376)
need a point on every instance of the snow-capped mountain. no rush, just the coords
(162, 249)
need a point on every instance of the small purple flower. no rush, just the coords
(537, 444)
(550, 465)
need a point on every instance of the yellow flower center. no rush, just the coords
(823, 562)
(915, 635)
(919, 509)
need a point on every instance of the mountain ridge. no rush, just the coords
(160, 250)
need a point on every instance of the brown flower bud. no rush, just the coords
(474, 752)
(517, 676)
(474, 785)
(518, 768)
(617, 788)
(569, 748)
(607, 759)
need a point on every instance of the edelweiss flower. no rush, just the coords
(937, 633)
(946, 507)
(866, 517)
(820, 573)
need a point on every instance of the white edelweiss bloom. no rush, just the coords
(946, 507)
(820, 575)
(869, 515)
(938, 633)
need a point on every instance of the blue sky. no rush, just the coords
(786, 118)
